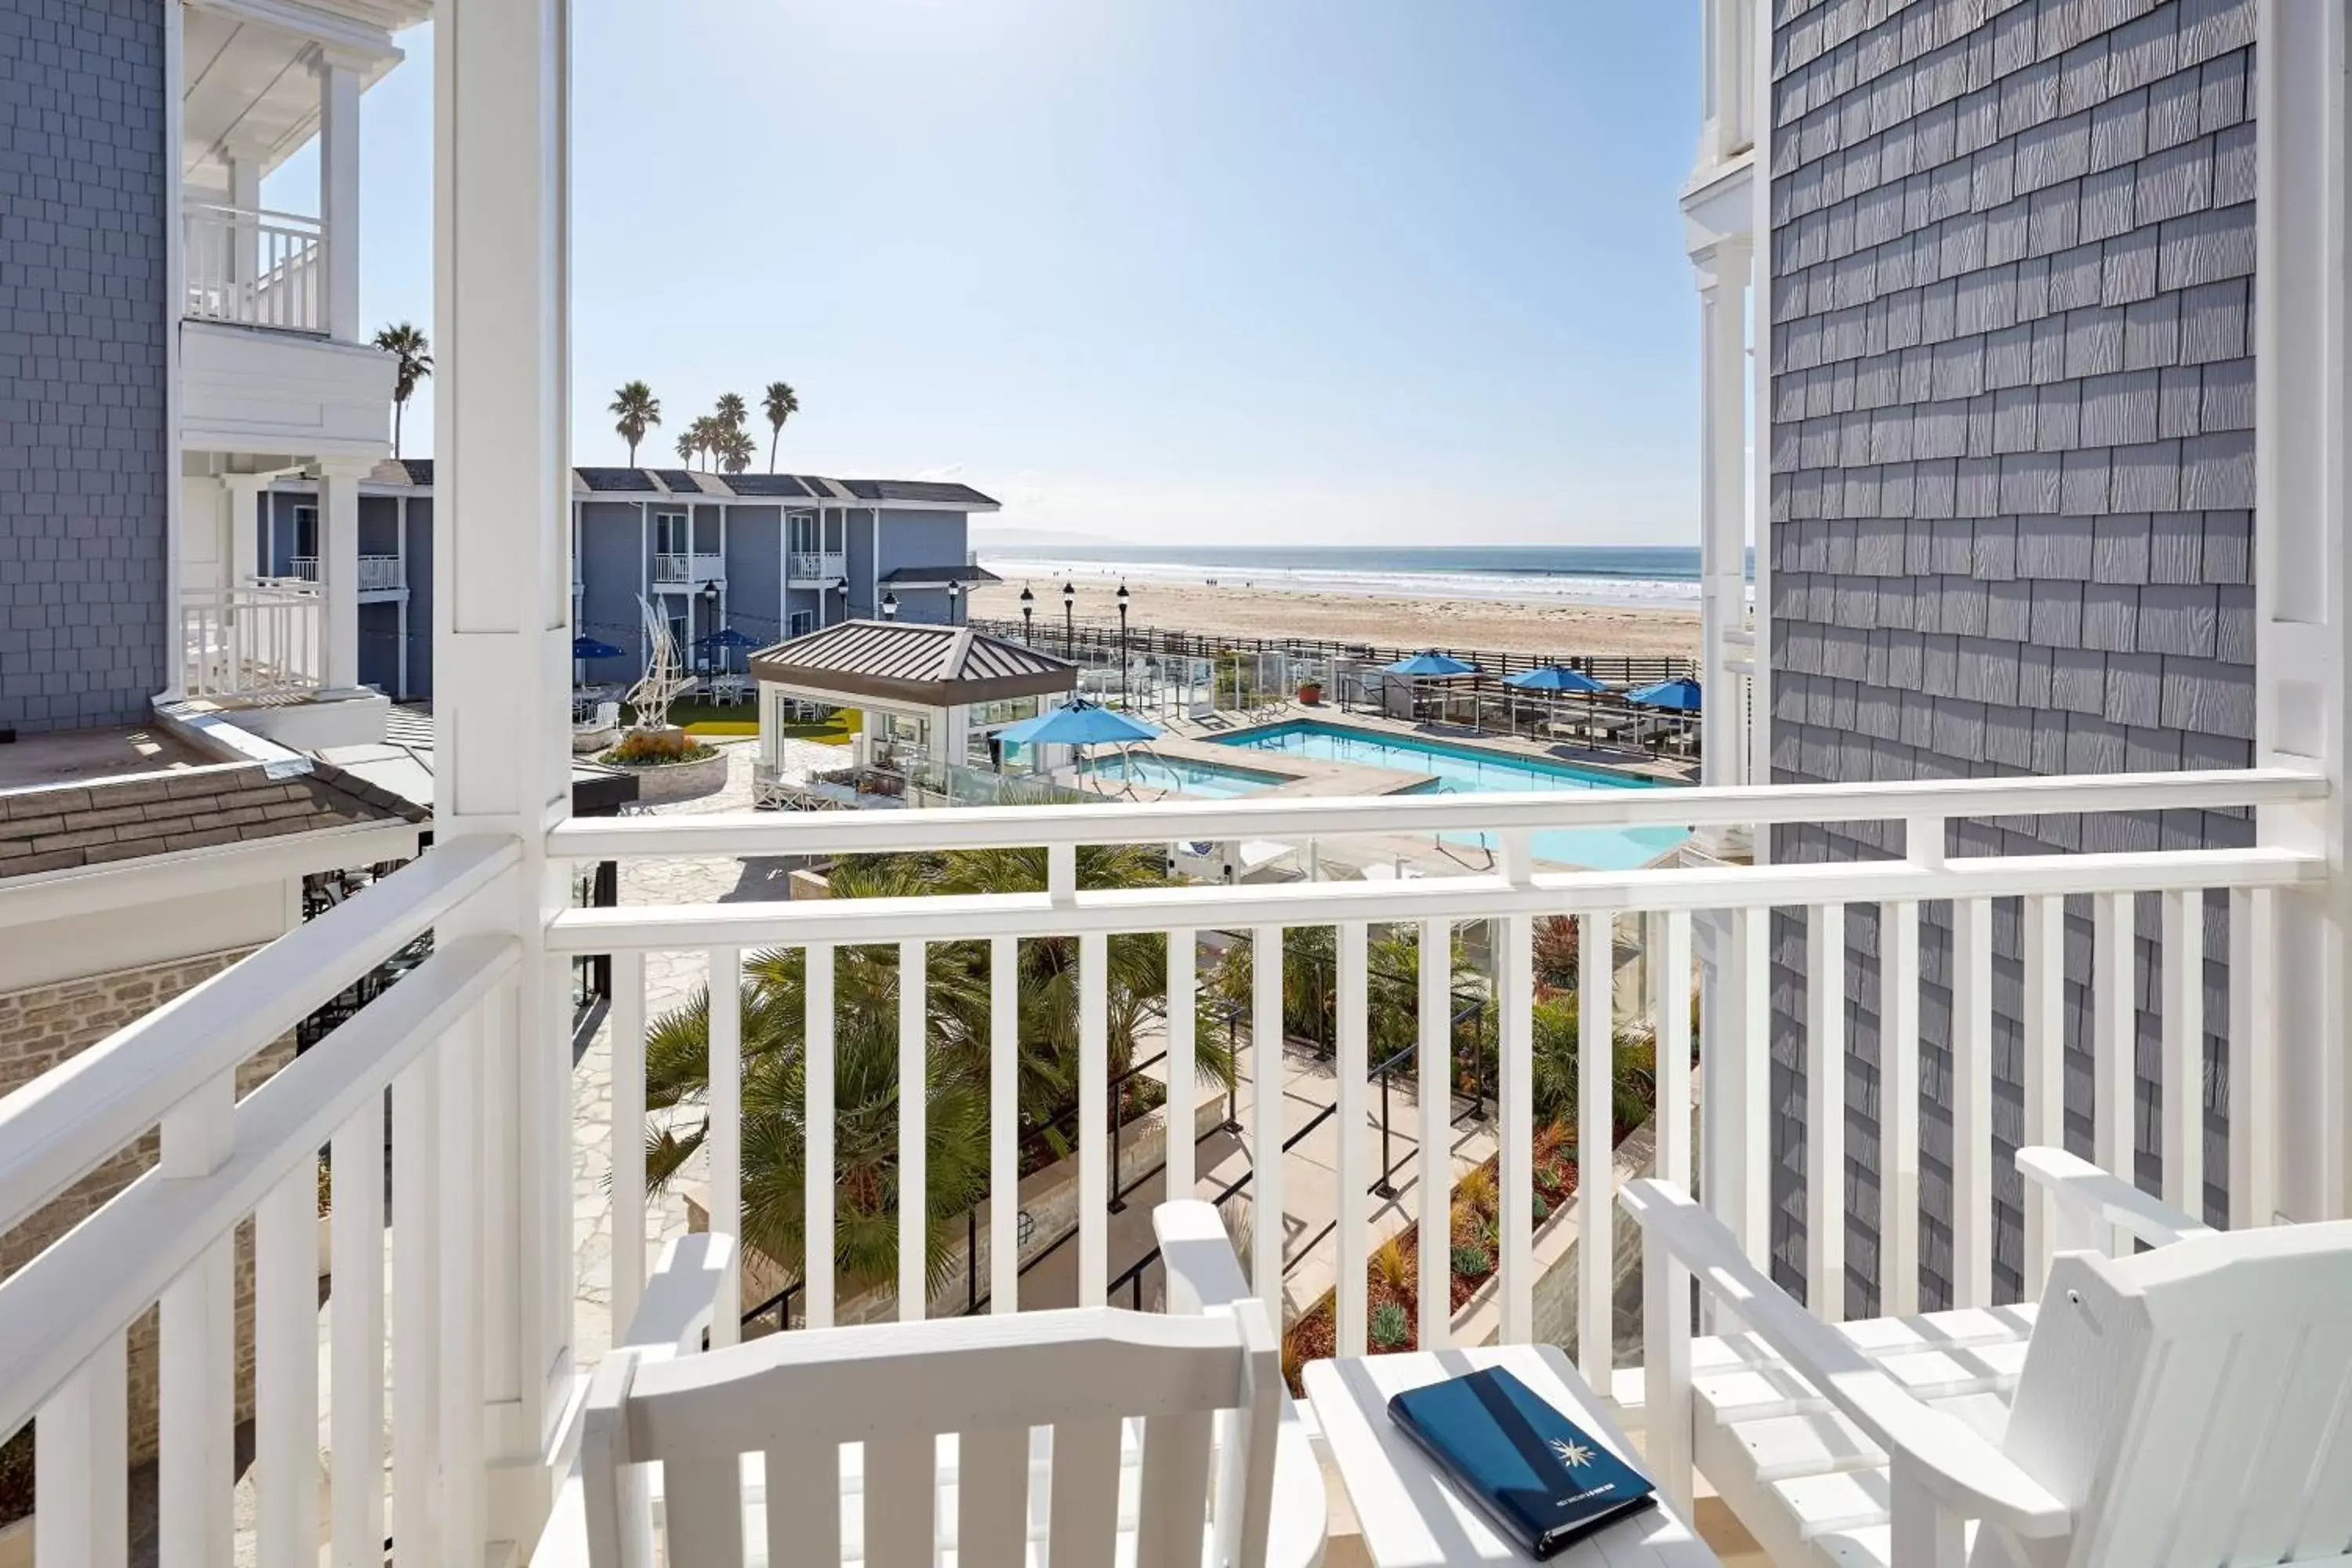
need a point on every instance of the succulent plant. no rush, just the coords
(1389, 1328)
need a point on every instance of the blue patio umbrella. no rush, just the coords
(1079, 723)
(1431, 663)
(723, 641)
(1554, 677)
(1677, 696)
(590, 648)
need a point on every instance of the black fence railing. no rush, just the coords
(1636, 669)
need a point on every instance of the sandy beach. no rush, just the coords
(1505, 627)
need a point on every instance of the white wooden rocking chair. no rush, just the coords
(2191, 1405)
(1091, 1437)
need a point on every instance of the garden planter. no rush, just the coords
(1311, 693)
(675, 781)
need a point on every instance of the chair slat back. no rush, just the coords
(2193, 1403)
(895, 1390)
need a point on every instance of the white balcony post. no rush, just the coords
(244, 234)
(338, 197)
(1723, 271)
(338, 569)
(2303, 575)
(501, 726)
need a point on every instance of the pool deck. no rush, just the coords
(1203, 741)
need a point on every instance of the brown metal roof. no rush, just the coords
(926, 665)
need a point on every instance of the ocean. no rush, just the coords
(1558, 573)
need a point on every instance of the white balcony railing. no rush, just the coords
(378, 573)
(683, 570)
(814, 566)
(252, 268)
(258, 641)
(436, 1036)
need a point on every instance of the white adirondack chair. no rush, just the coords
(1090, 1436)
(2191, 1405)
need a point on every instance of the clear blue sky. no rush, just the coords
(1327, 270)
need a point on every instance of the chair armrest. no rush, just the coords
(2087, 1197)
(1202, 1271)
(1937, 1450)
(681, 1296)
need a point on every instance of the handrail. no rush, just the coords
(51, 1317)
(259, 214)
(64, 1123)
(850, 922)
(747, 833)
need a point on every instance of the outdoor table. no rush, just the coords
(1414, 1518)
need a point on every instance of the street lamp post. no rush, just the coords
(1028, 608)
(955, 596)
(841, 591)
(710, 618)
(1069, 619)
(1122, 645)
(890, 607)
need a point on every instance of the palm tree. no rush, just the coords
(1559, 1061)
(688, 444)
(705, 431)
(736, 450)
(414, 353)
(865, 1057)
(638, 410)
(779, 404)
(730, 412)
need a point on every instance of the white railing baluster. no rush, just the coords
(1667, 1371)
(416, 1309)
(356, 1331)
(1004, 1119)
(817, 1177)
(1433, 1086)
(1596, 1141)
(285, 1373)
(1354, 1168)
(628, 1152)
(1671, 976)
(1971, 1102)
(82, 1497)
(468, 1053)
(1183, 1059)
(196, 1375)
(1899, 1107)
(914, 1096)
(1265, 1116)
(2253, 1060)
(1516, 1116)
(1094, 1130)
(1738, 1082)
(1825, 1112)
(2046, 1071)
(724, 1103)
(2114, 1027)
(2184, 1049)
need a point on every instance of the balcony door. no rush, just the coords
(802, 540)
(670, 535)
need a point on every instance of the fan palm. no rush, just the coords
(736, 450)
(779, 404)
(731, 411)
(412, 353)
(1559, 1067)
(707, 432)
(688, 444)
(865, 1052)
(1310, 985)
(638, 411)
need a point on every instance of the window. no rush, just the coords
(802, 526)
(802, 622)
(306, 531)
(669, 534)
(677, 633)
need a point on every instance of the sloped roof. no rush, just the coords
(926, 665)
(961, 572)
(688, 482)
(631, 480)
(932, 492)
(61, 827)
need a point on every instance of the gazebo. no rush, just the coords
(927, 692)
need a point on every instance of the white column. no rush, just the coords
(338, 568)
(1723, 499)
(245, 236)
(243, 549)
(339, 195)
(502, 670)
(2303, 575)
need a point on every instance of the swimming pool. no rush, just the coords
(1474, 770)
(1217, 781)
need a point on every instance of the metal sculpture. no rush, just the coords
(664, 678)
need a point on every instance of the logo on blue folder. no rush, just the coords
(1575, 1455)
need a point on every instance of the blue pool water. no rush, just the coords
(1473, 770)
(1217, 781)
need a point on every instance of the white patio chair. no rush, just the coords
(1090, 1436)
(2191, 1405)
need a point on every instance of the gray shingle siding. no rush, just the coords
(2011, 490)
(82, 323)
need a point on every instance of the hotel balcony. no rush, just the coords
(489, 1126)
(677, 571)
